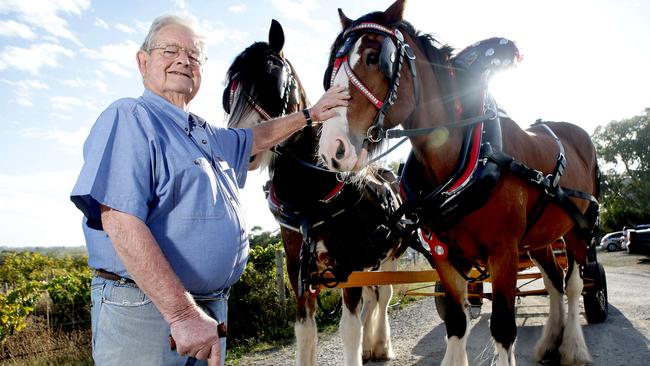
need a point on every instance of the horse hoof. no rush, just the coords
(577, 358)
(366, 356)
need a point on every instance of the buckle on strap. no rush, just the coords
(376, 133)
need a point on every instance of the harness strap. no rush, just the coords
(556, 192)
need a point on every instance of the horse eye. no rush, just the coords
(372, 59)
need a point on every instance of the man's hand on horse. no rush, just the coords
(325, 108)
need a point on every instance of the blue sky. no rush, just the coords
(63, 61)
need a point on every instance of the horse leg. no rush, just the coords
(305, 325)
(351, 327)
(547, 346)
(368, 318)
(503, 266)
(306, 331)
(377, 344)
(573, 350)
(456, 313)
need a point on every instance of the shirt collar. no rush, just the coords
(179, 116)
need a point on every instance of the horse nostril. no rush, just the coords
(335, 164)
(340, 150)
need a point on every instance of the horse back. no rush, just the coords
(536, 148)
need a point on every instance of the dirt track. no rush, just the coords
(419, 334)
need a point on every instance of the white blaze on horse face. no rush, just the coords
(335, 148)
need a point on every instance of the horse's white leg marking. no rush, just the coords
(350, 328)
(368, 318)
(456, 354)
(382, 348)
(306, 340)
(573, 350)
(505, 357)
(552, 333)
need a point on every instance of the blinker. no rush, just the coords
(387, 57)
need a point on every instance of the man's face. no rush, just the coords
(176, 79)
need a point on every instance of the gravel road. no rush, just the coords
(419, 334)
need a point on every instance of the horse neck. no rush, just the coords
(438, 153)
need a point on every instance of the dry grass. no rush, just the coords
(35, 345)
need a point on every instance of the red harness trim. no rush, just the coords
(233, 89)
(335, 192)
(476, 147)
(368, 25)
(436, 246)
(359, 84)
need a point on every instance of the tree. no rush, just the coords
(624, 153)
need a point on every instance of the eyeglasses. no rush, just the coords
(172, 51)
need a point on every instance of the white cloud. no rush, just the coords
(12, 28)
(239, 8)
(118, 59)
(180, 4)
(100, 23)
(35, 57)
(70, 142)
(23, 90)
(301, 11)
(124, 28)
(65, 103)
(59, 222)
(217, 34)
(143, 26)
(45, 14)
(78, 82)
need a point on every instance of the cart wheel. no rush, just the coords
(441, 308)
(611, 247)
(595, 297)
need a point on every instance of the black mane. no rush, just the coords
(249, 70)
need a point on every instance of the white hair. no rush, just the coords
(165, 20)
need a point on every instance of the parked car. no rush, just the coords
(638, 241)
(612, 241)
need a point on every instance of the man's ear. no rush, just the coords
(142, 57)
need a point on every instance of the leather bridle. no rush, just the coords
(393, 53)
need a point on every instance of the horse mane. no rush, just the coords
(248, 69)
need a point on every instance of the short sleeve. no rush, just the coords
(118, 166)
(236, 145)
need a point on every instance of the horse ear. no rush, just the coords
(276, 36)
(395, 13)
(345, 21)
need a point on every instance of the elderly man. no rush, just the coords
(159, 190)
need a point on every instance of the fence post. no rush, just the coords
(279, 281)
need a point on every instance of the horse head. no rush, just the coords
(261, 85)
(372, 56)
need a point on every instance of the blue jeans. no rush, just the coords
(127, 329)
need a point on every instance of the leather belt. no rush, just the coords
(112, 276)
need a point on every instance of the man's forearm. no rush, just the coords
(145, 262)
(269, 134)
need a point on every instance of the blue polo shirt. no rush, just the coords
(181, 176)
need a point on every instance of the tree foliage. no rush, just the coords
(624, 153)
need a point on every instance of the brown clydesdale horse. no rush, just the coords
(488, 189)
(325, 222)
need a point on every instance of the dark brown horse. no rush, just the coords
(327, 225)
(488, 189)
